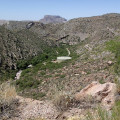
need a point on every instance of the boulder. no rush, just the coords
(110, 62)
(104, 93)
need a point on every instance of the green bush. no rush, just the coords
(27, 83)
(7, 75)
(22, 64)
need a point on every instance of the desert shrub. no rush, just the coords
(7, 100)
(62, 101)
(7, 93)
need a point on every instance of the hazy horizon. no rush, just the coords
(35, 10)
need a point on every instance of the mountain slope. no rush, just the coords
(73, 31)
(19, 45)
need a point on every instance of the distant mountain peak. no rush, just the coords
(52, 19)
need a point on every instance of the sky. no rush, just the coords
(69, 9)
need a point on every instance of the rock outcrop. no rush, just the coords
(104, 93)
(52, 19)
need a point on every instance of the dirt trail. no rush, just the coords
(68, 51)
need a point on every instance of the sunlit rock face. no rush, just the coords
(104, 93)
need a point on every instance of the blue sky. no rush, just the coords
(36, 9)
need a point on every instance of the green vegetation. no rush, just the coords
(114, 47)
(7, 75)
(16, 45)
(27, 82)
(48, 55)
(31, 78)
(44, 61)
